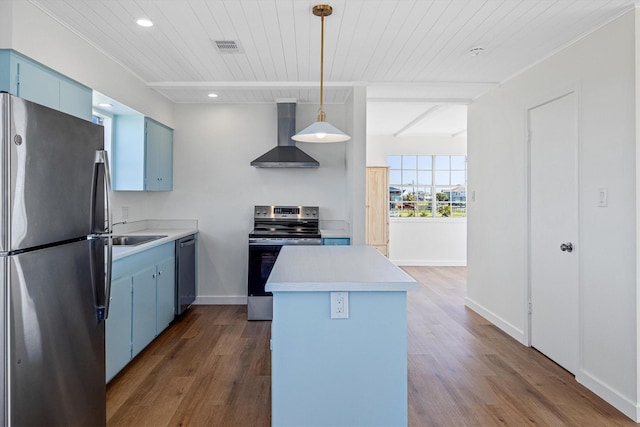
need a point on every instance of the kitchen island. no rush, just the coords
(338, 371)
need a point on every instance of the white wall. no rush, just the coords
(356, 152)
(215, 184)
(418, 241)
(6, 24)
(601, 68)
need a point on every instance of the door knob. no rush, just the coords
(566, 247)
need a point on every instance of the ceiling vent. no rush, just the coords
(228, 46)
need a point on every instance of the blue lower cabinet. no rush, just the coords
(144, 308)
(166, 291)
(118, 327)
(336, 241)
(141, 304)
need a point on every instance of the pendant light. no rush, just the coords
(321, 131)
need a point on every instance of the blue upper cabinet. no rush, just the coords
(142, 154)
(32, 81)
(158, 156)
(128, 152)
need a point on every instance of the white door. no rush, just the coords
(554, 246)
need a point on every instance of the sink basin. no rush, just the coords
(134, 240)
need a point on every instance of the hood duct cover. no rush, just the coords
(286, 154)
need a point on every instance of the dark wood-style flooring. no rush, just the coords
(212, 368)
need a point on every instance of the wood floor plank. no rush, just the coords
(213, 368)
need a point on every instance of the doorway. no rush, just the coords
(554, 230)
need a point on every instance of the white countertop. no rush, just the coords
(334, 234)
(172, 229)
(334, 229)
(336, 268)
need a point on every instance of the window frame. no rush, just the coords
(424, 194)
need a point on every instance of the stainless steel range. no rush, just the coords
(274, 227)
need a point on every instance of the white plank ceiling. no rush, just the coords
(412, 54)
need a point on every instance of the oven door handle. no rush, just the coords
(284, 242)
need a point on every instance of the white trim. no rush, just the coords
(246, 85)
(428, 263)
(498, 321)
(220, 300)
(426, 219)
(561, 48)
(611, 396)
(38, 4)
(637, 230)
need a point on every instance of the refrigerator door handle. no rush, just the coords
(101, 162)
(102, 232)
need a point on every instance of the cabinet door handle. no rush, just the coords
(153, 275)
(159, 272)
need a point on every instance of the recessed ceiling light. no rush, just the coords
(475, 51)
(143, 22)
(105, 105)
(213, 95)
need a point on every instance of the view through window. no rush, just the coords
(427, 186)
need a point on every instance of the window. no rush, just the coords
(427, 186)
(107, 122)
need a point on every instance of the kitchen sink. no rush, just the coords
(134, 240)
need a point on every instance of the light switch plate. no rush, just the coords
(602, 197)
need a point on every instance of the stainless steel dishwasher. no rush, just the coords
(185, 273)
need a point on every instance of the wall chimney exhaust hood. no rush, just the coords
(286, 154)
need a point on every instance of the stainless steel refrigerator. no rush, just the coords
(55, 260)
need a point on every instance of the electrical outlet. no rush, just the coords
(339, 305)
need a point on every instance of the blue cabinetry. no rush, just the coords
(118, 329)
(336, 241)
(144, 308)
(142, 154)
(166, 291)
(158, 156)
(33, 81)
(142, 304)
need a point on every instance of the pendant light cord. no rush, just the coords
(321, 115)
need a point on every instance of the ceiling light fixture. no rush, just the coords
(105, 105)
(143, 22)
(212, 95)
(321, 130)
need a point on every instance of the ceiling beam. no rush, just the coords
(418, 119)
(447, 101)
(240, 85)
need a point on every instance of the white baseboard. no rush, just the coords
(421, 263)
(615, 399)
(217, 300)
(507, 327)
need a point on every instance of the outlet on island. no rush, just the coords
(339, 305)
